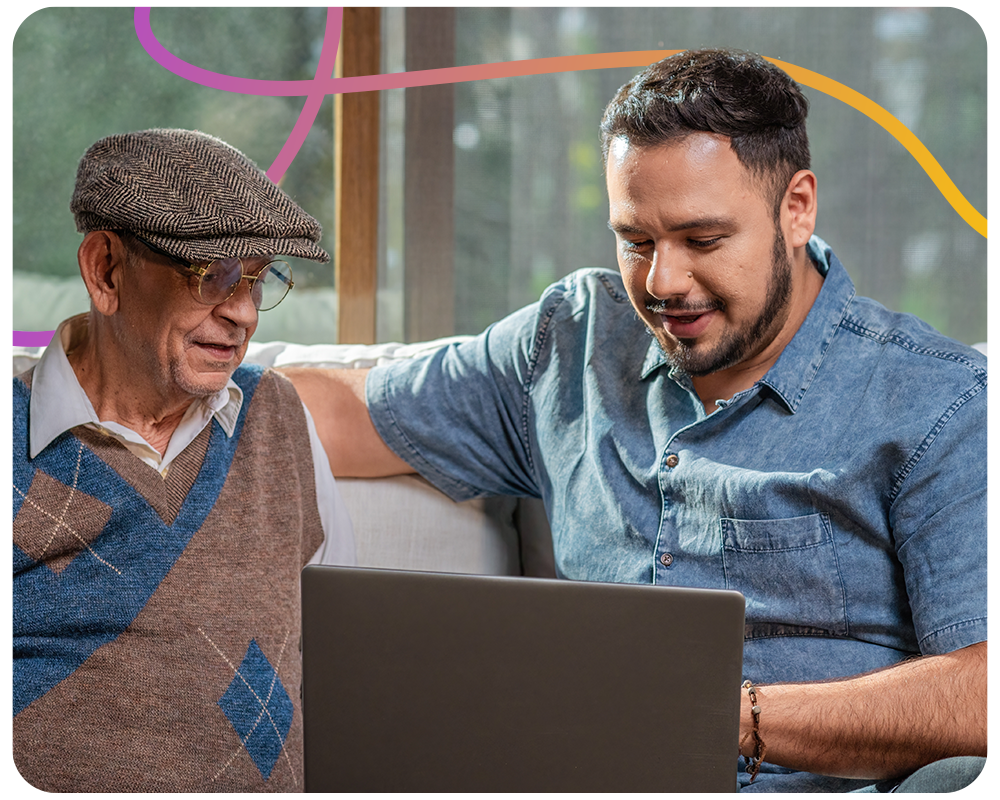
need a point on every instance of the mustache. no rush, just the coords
(675, 309)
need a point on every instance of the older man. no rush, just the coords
(166, 498)
(723, 412)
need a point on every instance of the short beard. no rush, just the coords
(192, 388)
(738, 345)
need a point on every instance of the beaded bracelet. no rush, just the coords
(754, 761)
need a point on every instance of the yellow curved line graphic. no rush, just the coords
(902, 134)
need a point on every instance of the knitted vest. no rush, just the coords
(156, 621)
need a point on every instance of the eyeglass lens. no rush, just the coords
(266, 289)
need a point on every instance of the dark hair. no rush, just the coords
(728, 92)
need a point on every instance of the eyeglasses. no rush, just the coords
(219, 279)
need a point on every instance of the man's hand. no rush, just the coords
(336, 400)
(879, 725)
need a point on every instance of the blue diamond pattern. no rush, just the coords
(259, 709)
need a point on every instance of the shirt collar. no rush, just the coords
(58, 402)
(799, 362)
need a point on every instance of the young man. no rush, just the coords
(166, 498)
(757, 427)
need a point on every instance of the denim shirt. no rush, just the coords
(844, 494)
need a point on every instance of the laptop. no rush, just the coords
(422, 681)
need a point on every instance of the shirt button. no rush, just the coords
(666, 559)
(672, 460)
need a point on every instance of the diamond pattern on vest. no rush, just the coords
(259, 709)
(57, 522)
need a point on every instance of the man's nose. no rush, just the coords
(670, 274)
(239, 307)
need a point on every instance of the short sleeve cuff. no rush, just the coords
(380, 397)
(954, 637)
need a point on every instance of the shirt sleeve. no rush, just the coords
(338, 540)
(460, 416)
(939, 520)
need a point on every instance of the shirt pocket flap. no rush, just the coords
(788, 571)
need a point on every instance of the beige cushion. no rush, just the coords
(405, 523)
(475, 536)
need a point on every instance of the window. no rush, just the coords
(523, 199)
(81, 74)
(491, 189)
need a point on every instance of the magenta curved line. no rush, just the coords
(331, 85)
(314, 89)
(327, 61)
(32, 338)
(212, 80)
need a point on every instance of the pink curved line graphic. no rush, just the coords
(32, 338)
(371, 83)
(214, 80)
(327, 60)
(540, 66)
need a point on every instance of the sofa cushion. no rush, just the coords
(408, 524)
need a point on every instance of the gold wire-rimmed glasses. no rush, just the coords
(219, 279)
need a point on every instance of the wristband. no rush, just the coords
(754, 761)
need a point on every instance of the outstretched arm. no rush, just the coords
(879, 725)
(336, 400)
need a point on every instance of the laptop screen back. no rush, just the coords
(418, 681)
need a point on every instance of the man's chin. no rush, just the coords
(691, 356)
(694, 359)
(205, 381)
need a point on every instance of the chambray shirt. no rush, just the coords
(844, 494)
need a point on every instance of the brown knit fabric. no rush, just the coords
(142, 713)
(165, 495)
(58, 522)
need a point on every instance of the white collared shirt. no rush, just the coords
(58, 403)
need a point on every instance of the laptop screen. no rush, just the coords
(419, 681)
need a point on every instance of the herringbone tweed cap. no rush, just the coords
(190, 194)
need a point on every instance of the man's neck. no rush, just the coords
(119, 392)
(726, 383)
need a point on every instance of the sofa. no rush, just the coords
(404, 522)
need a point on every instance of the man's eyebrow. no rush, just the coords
(621, 228)
(701, 222)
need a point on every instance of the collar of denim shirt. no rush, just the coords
(799, 362)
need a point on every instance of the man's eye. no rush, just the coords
(704, 242)
(630, 245)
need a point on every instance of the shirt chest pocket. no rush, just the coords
(787, 569)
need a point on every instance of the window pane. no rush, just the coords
(525, 186)
(529, 203)
(81, 74)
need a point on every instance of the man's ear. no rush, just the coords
(798, 210)
(102, 261)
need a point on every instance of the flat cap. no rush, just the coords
(190, 194)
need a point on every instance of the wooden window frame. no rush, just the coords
(356, 178)
(428, 254)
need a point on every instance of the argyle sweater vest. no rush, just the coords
(156, 620)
